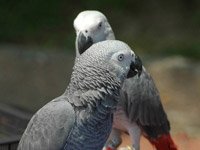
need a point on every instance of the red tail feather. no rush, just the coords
(164, 142)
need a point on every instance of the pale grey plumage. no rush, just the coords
(55, 119)
(82, 117)
(140, 101)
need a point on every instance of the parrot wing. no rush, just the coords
(49, 127)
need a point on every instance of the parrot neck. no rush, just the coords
(106, 96)
(109, 32)
(110, 36)
(91, 90)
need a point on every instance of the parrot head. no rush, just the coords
(114, 56)
(91, 27)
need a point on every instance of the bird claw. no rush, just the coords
(108, 148)
(127, 148)
(121, 148)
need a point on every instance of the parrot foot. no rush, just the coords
(108, 148)
(127, 148)
(112, 144)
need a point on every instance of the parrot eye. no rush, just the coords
(121, 57)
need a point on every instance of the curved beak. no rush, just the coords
(135, 67)
(83, 43)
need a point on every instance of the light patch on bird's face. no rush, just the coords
(120, 62)
(113, 56)
(93, 24)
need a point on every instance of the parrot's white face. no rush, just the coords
(121, 62)
(116, 56)
(91, 27)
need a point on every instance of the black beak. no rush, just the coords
(135, 68)
(83, 42)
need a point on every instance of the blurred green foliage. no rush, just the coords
(188, 51)
(156, 27)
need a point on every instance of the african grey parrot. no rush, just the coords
(81, 118)
(140, 110)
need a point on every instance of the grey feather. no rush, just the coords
(55, 119)
(82, 117)
(140, 96)
(144, 105)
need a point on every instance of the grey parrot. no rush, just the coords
(140, 110)
(81, 118)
